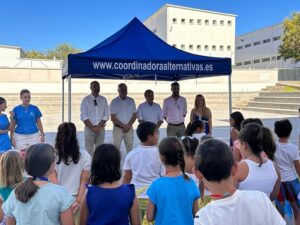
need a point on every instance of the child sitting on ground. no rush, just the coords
(106, 200)
(196, 129)
(214, 164)
(287, 160)
(173, 199)
(36, 200)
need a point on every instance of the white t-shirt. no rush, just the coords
(123, 109)
(243, 207)
(199, 136)
(69, 175)
(285, 155)
(145, 165)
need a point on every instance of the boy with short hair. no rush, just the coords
(214, 164)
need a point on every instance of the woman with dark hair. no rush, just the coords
(4, 128)
(26, 124)
(236, 119)
(201, 112)
(72, 168)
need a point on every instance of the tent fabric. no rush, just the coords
(134, 52)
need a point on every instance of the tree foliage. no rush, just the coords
(60, 52)
(290, 47)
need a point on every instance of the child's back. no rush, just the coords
(174, 198)
(43, 208)
(109, 205)
(243, 207)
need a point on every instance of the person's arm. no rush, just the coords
(53, 177)
(165, 109)
(116, 121)
(133, 116)
(132, 120)
(159, 123)
(192, 115)
(276, 187)
(10, 220)
(3, 131)
(106, 114)
(297, 167)
(234, 134)
(209, 115)
(40, 126)
(66, 217)
(241, 174)
(1, 210)
(134, 213)
(184, 107)
(85, 175)
(195, 207)
(84, 212)
(127, 177)
(202, 188)
(12, 127)
(150, 211)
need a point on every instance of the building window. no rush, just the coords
(221, 48)
(174, 45)
(182, 21)
(214, 22)
(206, 48)
(256, 43)
(182, 47)
(279, 57)
(265, 60)
(174, 21)
(266, 40)
(222, 22)
(255, 61)
(191, 21)
(206, 22)
(239, 64)
(198, 47)
(276, 38)
(191, 48)
(199, 22)
(247, 45)
(229, 22)
(239, 47)
(213, 48)
(228, 48)
(247, 63)
(273, 58)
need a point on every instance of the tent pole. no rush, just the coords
(63, 100)
(69, 98)
(229, 94)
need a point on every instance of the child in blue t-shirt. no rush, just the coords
(4, 128)
(107, 200)
(173, 199)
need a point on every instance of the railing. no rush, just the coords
(289, 74)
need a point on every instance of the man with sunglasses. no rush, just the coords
(94, 114)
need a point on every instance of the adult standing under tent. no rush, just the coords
(174, 112)
(94, 113)
(123, 115)
(150, 111)
(26, 124)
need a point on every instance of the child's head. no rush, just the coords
(11, 169)
(66, 143)
(236, 118)
(196, 126)
(105, 166)
(214, 161)
(171, 153)
(283, 128)
(251, 120)
(255, 139)
(147, 132)
(39, 162)
(190, 145)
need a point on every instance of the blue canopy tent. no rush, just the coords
(134, 52)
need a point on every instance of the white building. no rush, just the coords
(259, 49)
(194, 30)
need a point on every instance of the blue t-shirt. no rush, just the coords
(109, 205)
(44, 207)
(4, 138)
(26, 118)
(174, 199)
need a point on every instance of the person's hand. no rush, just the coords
(42, 138)
(75, 206)
(11, 115)
(96, 129)
(126, 128)
(13, 142)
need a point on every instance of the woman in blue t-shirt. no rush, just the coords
(27, 128)
(4, 128)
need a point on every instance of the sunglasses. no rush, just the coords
(95, 102)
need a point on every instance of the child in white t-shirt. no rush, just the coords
(72, 167)
(287, 160)
(214, 164)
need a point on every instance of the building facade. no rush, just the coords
(194, 30)
(259, 49)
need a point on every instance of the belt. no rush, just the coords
(118, 126)
(176, 125)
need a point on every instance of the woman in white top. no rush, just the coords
(257, 172)
(72, 167)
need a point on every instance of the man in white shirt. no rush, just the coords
(215, 166)
(174, 112)
(123, 115)
(94, 113)
(150, 111)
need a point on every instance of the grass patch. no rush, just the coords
(290, 89)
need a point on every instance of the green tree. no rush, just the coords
(33, 54)
(290, 47)
(62, 51)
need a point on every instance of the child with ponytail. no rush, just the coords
(36, 200)
(173, 199)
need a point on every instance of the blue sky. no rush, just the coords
(43, 24)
